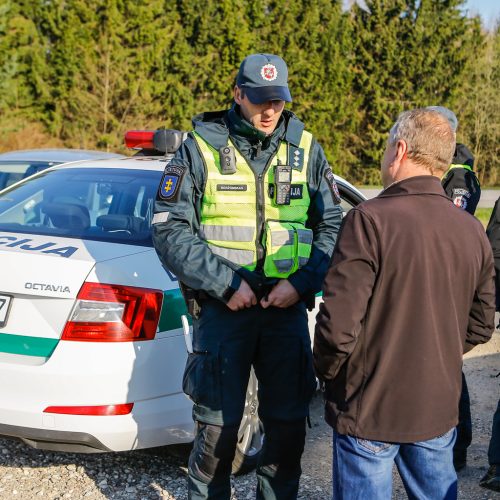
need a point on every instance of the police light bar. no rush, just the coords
(139, 139)
(164, 141)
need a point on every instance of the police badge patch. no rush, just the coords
(460, 202)
(170, 182)
(333, 185)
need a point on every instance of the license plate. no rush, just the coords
(5, 301)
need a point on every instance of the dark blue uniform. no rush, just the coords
(462, 186)
(492, 478)
(227, 344)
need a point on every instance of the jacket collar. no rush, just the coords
(240, 127)
(215, 128)
(420, 184)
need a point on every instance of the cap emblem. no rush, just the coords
(269, 72)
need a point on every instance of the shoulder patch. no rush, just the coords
(170, 182)
(461, 192)
(330, 178)
(460, 202)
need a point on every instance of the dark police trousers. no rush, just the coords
(464, 427)
(494, 447)
(226, 344)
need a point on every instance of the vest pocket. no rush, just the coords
(288, 246)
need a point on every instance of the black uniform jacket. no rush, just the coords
(493, 232)
(461, 184)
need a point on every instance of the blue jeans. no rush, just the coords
(362, 469)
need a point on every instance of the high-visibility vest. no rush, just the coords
(452, 166)
(240, 220)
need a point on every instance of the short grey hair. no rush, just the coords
(448, 114)
(428, 135)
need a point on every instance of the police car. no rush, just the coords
(92, 328)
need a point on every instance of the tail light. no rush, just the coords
(139, 139)
(98, 411)
(114, 313)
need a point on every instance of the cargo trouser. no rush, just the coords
(226, 345)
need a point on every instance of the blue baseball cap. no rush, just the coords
(264, 77)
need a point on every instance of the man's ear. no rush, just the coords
(401, 150)
(237, 94)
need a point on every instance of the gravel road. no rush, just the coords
(26, 473)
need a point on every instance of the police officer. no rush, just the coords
(462, 186)
(246, 216)
(460, 181)
(491, 480)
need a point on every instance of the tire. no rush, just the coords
(250, 433)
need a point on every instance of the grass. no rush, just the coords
(483, 214)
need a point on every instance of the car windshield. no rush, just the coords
(13, 171)
(91, 203)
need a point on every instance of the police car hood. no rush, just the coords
(53, 266)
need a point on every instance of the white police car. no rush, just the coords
(92, 346)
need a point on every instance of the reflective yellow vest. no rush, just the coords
(240, 220)
(452, 166)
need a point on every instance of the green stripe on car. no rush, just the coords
(172, 309)
(28, 346)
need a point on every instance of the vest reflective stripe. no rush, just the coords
(231, 223)
(281, 238)
(305, 236)
(241, 257)
(452, 166)
(460, 166)
(227, 233)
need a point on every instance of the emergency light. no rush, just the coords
(166, 141)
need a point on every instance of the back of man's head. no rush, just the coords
(429, 138)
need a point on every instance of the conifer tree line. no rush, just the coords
(80, 73)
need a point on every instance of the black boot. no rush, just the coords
(491, 479)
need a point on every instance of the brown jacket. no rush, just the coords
(410, 288)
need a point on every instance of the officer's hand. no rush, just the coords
(243, 297)
(282, 295)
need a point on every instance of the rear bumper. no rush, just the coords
(43, 439)
(148, 374)
(158, 422)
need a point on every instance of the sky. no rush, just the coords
(489, 10)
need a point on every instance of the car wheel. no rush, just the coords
(250, 434)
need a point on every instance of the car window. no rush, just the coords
(14, 171)
(99, 204)
(92, 203)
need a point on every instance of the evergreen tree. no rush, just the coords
(478, 109)
(22, 67)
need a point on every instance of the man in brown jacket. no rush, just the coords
(409, 290)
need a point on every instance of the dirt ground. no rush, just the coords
(481, 366)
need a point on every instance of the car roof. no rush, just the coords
(127, 162)
(56, 155)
